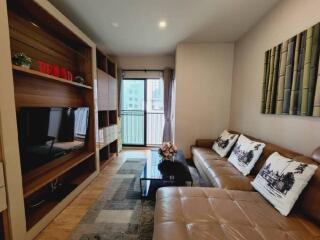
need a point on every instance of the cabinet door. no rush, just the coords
(103, 83)
(113, 94)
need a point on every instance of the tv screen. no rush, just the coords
(49, 133)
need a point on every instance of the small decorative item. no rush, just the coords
(42, 67)
(167, 151)
(63, 73)
(21, 59)
(69, 76)
(56, 71)
(49, 69)
(79, 79)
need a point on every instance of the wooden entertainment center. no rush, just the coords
(40, 31)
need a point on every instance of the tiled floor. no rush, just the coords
(62, 226)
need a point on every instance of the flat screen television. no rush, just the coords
(47, 133)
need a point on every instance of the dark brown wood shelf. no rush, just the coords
(99, 68)
(41, 75)
(46, 177)
(35, 216)
(104, 162)
(103, 145)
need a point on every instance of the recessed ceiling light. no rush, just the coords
(115, 24)
(162, 24)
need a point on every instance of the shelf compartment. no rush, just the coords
(37, 74)
(113, 117)
(112, 68)
(34, 181)
(114, 147)
(101, 61)
(105, 155)
(69, 181)
(103, 119)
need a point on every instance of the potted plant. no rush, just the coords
(21, 59)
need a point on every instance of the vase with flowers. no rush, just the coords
(167, 151)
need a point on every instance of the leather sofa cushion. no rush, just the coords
(309, 202)
(206, 153)
(219, 171)
(211, 213)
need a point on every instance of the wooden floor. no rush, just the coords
(62, 226)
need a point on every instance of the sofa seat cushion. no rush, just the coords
(235, 182)
(206, 153)
(211, 213)
(219, 171)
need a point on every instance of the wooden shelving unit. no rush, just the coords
(4, 225)
(72, 177)
(43, 34)
(107, 106)
(37, 74)
(43, 177)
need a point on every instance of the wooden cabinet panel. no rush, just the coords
(3, 201)
(113, 96)
(1, 174)
(103, 82)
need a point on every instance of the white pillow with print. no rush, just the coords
(224, 143)
(245, 154)
(282, 180)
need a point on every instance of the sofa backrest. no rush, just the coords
(267, 151)
(309, 202)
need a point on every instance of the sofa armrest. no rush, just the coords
(205, 143)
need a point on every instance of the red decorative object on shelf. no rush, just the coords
(69, 76)
(63, 73)
(42, 66)
(55, 70)
(49, 69)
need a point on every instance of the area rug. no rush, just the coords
(119, 214)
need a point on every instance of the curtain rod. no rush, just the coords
(142, 70)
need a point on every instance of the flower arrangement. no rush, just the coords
(167, 150)
(21, 59)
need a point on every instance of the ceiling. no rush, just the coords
(130, 27)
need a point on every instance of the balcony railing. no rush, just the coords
(136, 123)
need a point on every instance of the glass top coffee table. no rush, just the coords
(158, 173)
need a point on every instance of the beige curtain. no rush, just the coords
(168, 78)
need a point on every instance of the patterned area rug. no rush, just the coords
(119, 214)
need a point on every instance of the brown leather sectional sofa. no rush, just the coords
(231, 209)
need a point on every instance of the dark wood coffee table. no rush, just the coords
(157, 173)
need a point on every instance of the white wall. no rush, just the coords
(300, 134)
(146, 62)
(203, 91)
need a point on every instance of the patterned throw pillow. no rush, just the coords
(224, 143)
(245, 154)
(282, 180)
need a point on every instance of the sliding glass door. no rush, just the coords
(142, 115)
(133, 112)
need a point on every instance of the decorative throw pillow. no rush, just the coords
(281, 181)
(224, 143)
(245, 154)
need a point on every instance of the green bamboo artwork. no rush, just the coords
(291, 80)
